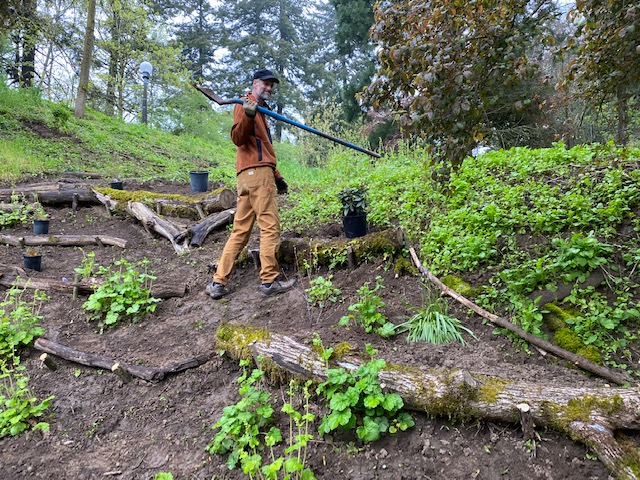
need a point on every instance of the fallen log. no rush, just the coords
(55, 197)
(159, 225)
(577, 360)
(9, 278)
(191, 207)
(63, 240)
(344, 250)
(216, 201)
(150, 374)
(590, 415)
(200, 231)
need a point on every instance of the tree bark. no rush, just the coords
(63, 240)
(85, 64)
(150, 374)
(159, 225)
(51, 197)
(590, 415)
(200, 231)
(577, 360)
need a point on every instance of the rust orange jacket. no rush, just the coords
(253, 139)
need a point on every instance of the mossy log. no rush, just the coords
(343, 251)
(216, 201)
(577, 360)
(63, 240)
(150, 374)
(194, 207)
(590, 415)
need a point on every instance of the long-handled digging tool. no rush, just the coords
(223, 101)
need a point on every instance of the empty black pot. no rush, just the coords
(199, 180)
(40, 227)
(117, 185)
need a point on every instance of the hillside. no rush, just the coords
(546, 238)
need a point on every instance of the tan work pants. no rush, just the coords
(256, 201)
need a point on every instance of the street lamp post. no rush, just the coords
(145, 70)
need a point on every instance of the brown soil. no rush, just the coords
(104, 428)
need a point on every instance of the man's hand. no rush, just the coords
(250, 108)
(282, 187)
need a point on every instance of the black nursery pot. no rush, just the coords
(199, 180)
(40, 227)
(32, 262)
(117, 185)
(355, 225)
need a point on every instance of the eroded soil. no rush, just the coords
(104, 428)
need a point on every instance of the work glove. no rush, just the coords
(250, 108)
(282, 186)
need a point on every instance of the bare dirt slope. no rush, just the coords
(104, 428)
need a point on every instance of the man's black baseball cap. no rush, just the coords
(265, 75)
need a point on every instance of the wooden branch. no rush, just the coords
(150, 374)
(159, 225)
(9, 279)
(577, 360)
(63, 240)
(200, 231)
(48, 362)
(588, 414)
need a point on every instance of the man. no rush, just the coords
(258, 180)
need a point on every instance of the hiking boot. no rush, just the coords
(216, 290)
(277, 287)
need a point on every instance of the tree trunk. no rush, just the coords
(622, 106)
(589, 415)
(159, 225)
(85, 65)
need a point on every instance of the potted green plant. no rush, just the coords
(40, 219)
(354, 210)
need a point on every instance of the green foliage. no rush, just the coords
(163, 476)
(577, 257)
(354, 200)
(321, 291)
(124, 294)
(458, 78)
(431, 323)
(16, 213)
(367, 311)
(18, 328)
(19, 321)
(356, 401)
(18, 405)
(245, 429)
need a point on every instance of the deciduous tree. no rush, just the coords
(445, 67)
(607, 45)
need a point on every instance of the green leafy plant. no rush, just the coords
(321, 291)
(356, 401)
(354, 200)
(18, 405)
(367, 311)
(38, 212)
(18, 328)
(245, 429)
(125, 294)
(18, 321)
(431, 323)
(86, 269)
(15, 212)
